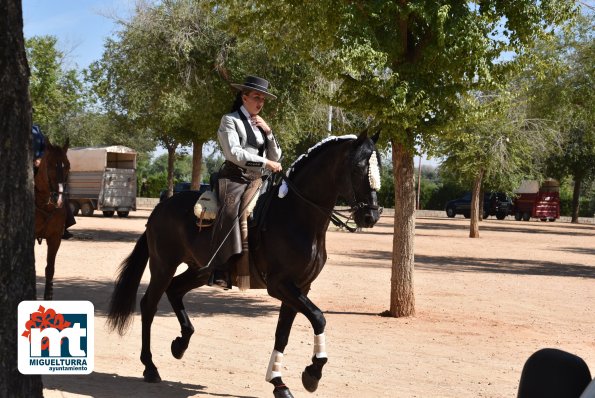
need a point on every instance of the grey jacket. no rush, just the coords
(234, 143)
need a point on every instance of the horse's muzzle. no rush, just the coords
(365, 216)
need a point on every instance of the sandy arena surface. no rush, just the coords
(483, 306)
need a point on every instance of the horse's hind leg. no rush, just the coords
(180, 285)
(161, 275)
(53, 246)
(292, 296)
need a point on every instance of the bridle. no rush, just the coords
(55, 196)
(335, 215)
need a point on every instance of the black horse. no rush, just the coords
(288, 252)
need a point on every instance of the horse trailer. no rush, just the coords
(102, 178)
(537, 201)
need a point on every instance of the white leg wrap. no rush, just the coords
(320, 346)
(274, 369)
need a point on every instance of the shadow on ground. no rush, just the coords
(104, 235)
(106, 385)
(205, 301)
(528, 228)
(467, 264)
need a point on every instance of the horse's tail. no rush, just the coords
(123, 299)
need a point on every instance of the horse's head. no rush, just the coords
(54, 169)
(364, 181)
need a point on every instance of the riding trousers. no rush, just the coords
(237, 188)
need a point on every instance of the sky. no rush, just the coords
(81, 26)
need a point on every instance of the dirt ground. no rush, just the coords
(482, 307)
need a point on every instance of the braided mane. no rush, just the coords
(299, 162)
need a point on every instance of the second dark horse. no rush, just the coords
(50, 213)
(290, 253)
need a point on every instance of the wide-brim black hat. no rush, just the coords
(253, 83)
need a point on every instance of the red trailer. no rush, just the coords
(538, 202)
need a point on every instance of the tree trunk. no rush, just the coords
(576, 194)
(17, 260)
(196, 163)
(402, 298)
(171, 158)
(474, 228)
(481, 204)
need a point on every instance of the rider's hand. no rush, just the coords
(275, 167)
(256, 120)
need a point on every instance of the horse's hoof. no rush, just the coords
(177, 348)
(309, 381)
(151, 376)
(282, 392)
(48, 296)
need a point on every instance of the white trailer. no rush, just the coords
(102, 178)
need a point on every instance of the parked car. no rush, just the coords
(494, 204)
(181, 187)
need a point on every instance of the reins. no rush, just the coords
(332, 213)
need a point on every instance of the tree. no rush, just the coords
(56, 92)
(495, 145)
(403, 64)
(163, 75)
(17, 262)
(562, 74)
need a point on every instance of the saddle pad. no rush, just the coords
(206, 206)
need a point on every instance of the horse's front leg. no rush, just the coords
(273, 375)
(53, 246)
(293, 298)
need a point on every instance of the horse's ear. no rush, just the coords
(376, 136)
(362, 137)
(66, 144)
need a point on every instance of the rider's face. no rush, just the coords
(253, 102)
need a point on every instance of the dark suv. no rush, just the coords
(494, 204)
(183, 186)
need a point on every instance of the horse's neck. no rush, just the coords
(320, 178)
(41, 182)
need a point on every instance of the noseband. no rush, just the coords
(364, 206)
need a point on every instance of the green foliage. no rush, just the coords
(182, 166)
(562, 76)
(162, 73)
(154, 172)
(497, 140)
(426, 191)
(402, 64)
(586, 200)
(386, 194)
(56, 92)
